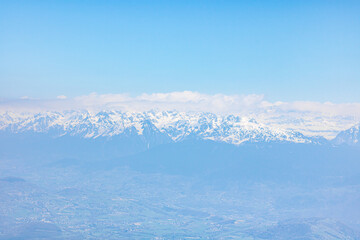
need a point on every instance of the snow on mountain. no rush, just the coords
(176, 125)
(350, 136)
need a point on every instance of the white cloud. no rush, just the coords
(61, 97)
(25, 97)
(181, 101)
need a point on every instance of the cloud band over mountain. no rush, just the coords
(311, 118)
(180, 101)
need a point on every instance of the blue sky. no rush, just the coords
(286, 50)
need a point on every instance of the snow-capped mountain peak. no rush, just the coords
(350, 136)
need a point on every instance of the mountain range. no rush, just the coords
(155, 127)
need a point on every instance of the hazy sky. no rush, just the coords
(286, 50)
